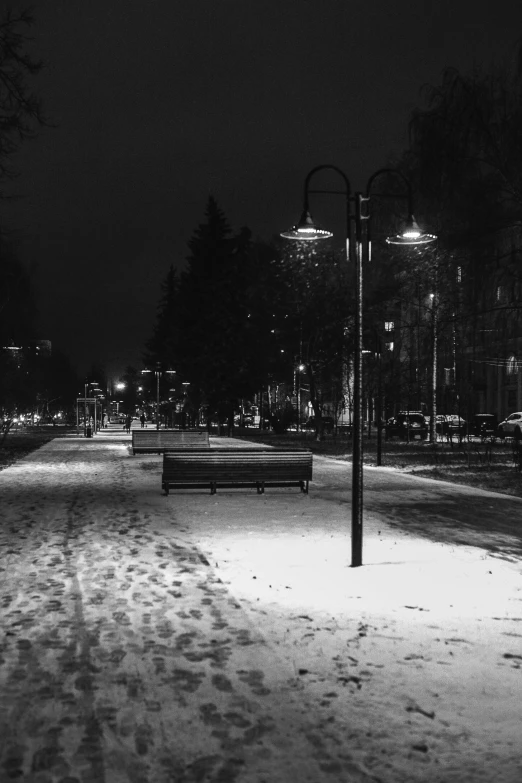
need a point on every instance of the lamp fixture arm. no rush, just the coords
(347, 192)
(401, 176)
(323, 167)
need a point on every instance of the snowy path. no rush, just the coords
(198, 638)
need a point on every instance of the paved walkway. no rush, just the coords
(148, 639)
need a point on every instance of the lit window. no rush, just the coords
(389, 346)
(389, 326)
(459, 274)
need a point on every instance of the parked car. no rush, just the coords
(511, 427)
(483, 425)
(454, 425)
(407, 425)
(248, 421)
(450, 424)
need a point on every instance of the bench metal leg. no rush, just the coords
(260, 488)
(213, 488)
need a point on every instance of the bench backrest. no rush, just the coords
(165, 438)
(222, 449)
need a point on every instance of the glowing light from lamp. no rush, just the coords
(306, 230)
(411, 234)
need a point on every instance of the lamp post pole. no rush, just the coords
(307, 230)
(120, 386)
(158, 371)
(85, 412)
(433, 401)
(357, 457)
(87, 426)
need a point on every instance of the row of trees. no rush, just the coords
(465, 158)
(243, 314)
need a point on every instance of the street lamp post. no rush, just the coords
(433, 401)
(87, 429)
(158, 372)
(97, 414)
(307, 230)
(120, 386)
(85, 411)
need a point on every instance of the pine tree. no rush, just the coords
(213, 322)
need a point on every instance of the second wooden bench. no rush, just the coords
(156, 441)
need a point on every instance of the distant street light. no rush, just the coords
(120, 386)
(306, 230)
(87, 430)
(158, 372)
(98, 419)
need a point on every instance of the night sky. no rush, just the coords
(158, 103)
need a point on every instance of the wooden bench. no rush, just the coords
(156, 441)
(238, 467)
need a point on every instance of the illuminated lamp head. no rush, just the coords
(306, 230)
(411, 234)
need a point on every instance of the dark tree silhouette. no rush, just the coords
(21, 113)
(213, 325)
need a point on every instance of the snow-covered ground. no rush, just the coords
(226, 638)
